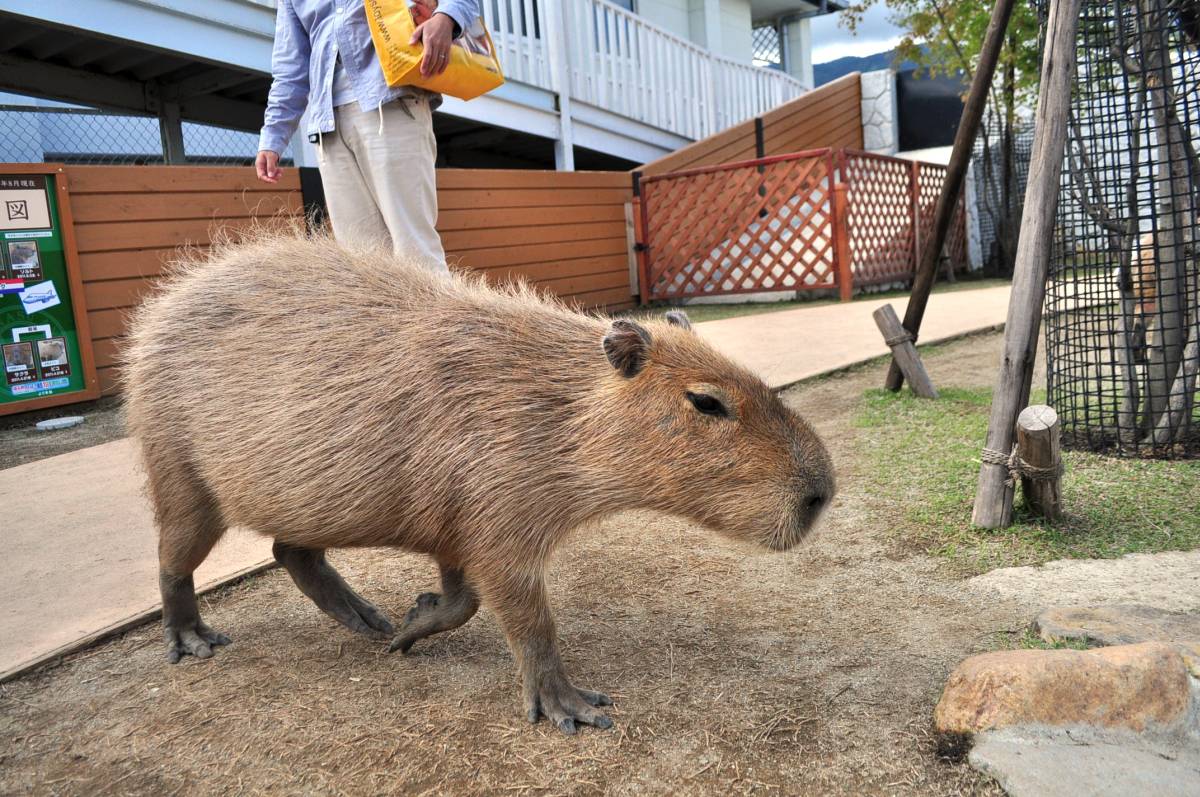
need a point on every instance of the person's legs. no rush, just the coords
(355, 217)
(396, 150)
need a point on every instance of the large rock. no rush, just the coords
(1136, 687)
(1124, 625)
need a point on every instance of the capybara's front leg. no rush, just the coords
(520, 604)
(318, 579)
(434, 613)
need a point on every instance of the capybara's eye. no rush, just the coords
(707, 404)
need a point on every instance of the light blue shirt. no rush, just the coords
(309, 36)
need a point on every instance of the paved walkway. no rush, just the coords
(789, 345)
(79, 557)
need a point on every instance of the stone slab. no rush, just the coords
(1124, 625)
(1168, 581)
(1068, 767)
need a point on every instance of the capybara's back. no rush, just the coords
(329, 398)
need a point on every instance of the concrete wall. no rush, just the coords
(722, 26)
(736, 36)
(674, 15)
(881, 134)
(799, 50)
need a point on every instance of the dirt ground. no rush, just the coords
(21, 441)
(733, 671)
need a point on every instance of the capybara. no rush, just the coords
(333, 399)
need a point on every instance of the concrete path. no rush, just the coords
(80, 560)
(80, 554)
(789, 345)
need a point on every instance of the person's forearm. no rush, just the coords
(463, 12)
(289, 88)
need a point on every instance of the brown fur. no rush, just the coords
(330, 399)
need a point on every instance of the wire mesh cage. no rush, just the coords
(1122, 332)
(1000, 166)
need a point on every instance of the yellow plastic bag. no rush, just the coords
(473, 69)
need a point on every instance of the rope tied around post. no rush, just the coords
(1019, 468)
(903, 337)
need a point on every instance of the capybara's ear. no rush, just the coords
(678, 318)
(626, 346)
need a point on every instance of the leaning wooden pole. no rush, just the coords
(956, 171)
(993, 501)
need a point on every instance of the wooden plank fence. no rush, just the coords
(564, 232)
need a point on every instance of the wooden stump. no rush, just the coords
(1041, 460)
(904, 353)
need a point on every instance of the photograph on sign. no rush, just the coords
(24, 260)
(24, 208)
(52, 356)
(18, 363)
(39, 297)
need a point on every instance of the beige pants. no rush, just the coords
(377, 169)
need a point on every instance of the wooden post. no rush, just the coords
(841, 241)
(914, 185)
(993, 501)
(956, 170)
(904, 352)
(1039, 450)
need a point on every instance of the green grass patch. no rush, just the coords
(1028, 639)
(923, 457)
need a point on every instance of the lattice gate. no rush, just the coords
(762, 225)
(815, 220)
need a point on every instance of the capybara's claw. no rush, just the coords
(194, 640)
(566, 706)
(594, 698)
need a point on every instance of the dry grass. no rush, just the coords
(814, 671)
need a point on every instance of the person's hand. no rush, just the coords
(267, 166)
(435, 34)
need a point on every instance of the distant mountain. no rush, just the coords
(832, 70)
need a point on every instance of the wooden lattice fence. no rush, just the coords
(816, 220)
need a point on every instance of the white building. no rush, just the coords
(598, 83)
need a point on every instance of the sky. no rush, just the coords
(832, 41)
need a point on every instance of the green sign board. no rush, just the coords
(40, 335)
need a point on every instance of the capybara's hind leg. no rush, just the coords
(434, 613)
(189, 525)
(317, 579)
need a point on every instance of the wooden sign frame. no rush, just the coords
(83, 332)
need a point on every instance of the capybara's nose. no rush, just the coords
(812, 504)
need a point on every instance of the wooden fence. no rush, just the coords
(564, 232)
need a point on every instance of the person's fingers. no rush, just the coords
(266, 166)
(418, 33)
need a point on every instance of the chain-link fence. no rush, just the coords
(40, 131)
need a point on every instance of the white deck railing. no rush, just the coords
(621, 63)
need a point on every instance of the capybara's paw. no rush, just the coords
(554, 698)
(193, 640)
(418, 623)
